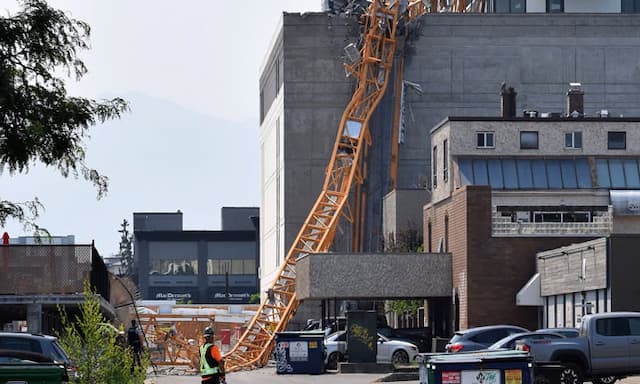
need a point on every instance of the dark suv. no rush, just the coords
(42, 344)
(474, 339)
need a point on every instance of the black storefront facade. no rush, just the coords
(194, 267)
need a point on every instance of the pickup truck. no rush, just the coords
(28, 367)
(607, 348)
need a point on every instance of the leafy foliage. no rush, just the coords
(405, 306)
(94, 348)
(39, 122)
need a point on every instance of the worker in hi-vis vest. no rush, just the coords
(211, 366)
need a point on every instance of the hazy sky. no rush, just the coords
(190, 70)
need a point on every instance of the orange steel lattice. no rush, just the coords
(371, 69)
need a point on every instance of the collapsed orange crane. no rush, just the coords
(371, 66)
(371, 69)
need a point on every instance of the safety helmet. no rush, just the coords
(208, 332)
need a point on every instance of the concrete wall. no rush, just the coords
(551, 137)
(157, 221)
(402, 211)
(382, 275)
(574, 268)
(460, 60)
(238, 218)
(316, 93)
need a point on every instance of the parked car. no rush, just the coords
(509, 342)
(421, 337)
(566, 332)
(389, 351)
(607, 348)
(474, 339)
(42, 344)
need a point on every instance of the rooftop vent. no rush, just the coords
(603, 113)
(575, 100)
(530, 113)
(507, 101)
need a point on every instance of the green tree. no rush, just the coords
(40, 121)
(94, 348)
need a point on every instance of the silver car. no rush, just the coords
(389, 351)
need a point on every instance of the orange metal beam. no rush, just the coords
(318, 231)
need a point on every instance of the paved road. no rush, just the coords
(268, 375)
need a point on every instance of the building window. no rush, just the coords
(446, 233)
(630, 6)
(555, 6)
(484, 140)
(173, 267)
(434, 166)
(429, 238)
(445, 161)
(231, 266)
(509, 6)
(617, 140)
(529, 140)
(573, 140)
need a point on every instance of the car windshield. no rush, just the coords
(58, 353)
(502, 343)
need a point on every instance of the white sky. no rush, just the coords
(190, 70)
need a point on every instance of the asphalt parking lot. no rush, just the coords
(269, 375)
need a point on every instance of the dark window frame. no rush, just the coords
(484, 135)
(434, 166)
(573, 135)
(537, 144)
(548, 6)
(610, 134)
(511, 5)
(445, 161)
(629, 6)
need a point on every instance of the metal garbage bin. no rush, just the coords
(299, 352)
(496, 367)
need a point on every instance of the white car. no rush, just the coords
(389, 351)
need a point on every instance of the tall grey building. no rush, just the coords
(458, 62)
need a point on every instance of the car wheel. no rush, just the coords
(332, 361)
(571, 374)
(605, 380)
(400, 358)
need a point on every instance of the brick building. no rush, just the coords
(507, 188)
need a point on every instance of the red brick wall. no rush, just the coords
(487, 272)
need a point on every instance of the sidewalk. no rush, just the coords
(268, 375)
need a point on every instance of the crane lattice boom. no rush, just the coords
(371, 70)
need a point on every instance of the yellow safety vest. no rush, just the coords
(205, 369)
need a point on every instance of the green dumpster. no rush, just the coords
(495, 367)
(28, 367)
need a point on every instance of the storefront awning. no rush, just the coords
(529, 295)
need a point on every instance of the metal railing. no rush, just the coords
(503, 226)
(51, 269)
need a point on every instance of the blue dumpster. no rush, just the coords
(299, 352)
(495, 367)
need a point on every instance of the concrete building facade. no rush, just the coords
(459, 61)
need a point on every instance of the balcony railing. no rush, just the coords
(502, 226)
(51, 269)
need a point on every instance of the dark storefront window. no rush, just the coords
(232, 266)
(173, 267)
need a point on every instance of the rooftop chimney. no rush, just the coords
(507, 101)
(575, 100)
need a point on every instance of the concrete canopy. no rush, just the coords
(373, 276)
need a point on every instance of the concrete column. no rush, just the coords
(34, 318)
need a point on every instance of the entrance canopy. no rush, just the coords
(373, 275)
